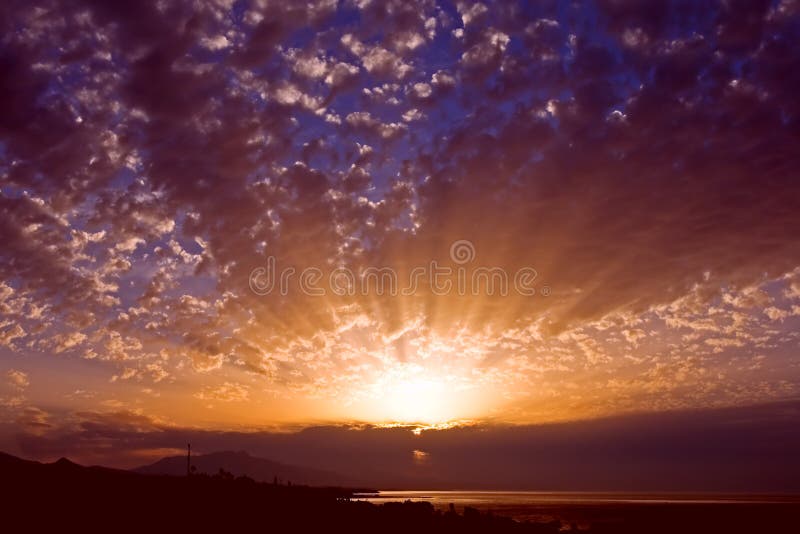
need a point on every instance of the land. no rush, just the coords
(240, 463)
(66, 496)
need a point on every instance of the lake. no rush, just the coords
(584, 508)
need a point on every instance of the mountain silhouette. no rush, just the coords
(240, 463)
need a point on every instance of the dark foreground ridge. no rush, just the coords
(67, 496)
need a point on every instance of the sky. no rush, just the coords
(234, 217)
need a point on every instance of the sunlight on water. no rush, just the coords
(547, 506)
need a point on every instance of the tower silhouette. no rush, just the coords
(188, 459)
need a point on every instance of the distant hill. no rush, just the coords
(240, 463)
(12, 465)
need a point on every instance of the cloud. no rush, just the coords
(153, 157)
(376, 59)
(488, 51)
(227, 392)
(365, 121)
(65, 342)
(421, 90)
(9, 335)
(18, 379)
(17, 382)
(218, 42)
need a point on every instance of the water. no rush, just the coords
(567, 507)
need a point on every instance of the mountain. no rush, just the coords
(241, 463)
(11, 466)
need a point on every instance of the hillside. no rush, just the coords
(242, 464)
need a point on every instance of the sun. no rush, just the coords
(427, 395)
(419, 400)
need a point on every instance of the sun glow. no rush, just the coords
(421, 400)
